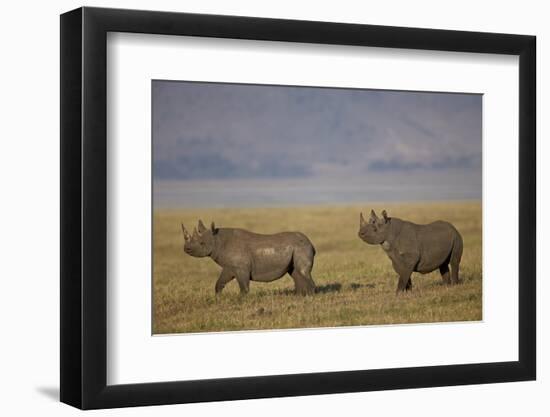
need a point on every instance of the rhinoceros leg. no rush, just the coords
(456, 256)
(310, 284)
(404, 267)
(225, 277)
(404, 283)
(445, 274)
(299, 283)
(303, 285)
(454, 272)
(301, 273)
(243, 278)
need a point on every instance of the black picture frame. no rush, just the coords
(84, 207)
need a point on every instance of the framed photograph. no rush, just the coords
(257, 208)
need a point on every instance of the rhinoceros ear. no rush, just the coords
(186, 234)
(202, 229)
(385, 216)
(362, 221)
(213, 228)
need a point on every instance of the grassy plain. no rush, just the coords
(356, 282)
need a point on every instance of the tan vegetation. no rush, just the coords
(356, 282)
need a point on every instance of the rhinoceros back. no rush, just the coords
(269, 256)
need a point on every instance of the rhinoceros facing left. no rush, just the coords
(415, 247)
(248, 256)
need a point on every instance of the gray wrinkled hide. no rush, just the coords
(415, 247)
(248, 256)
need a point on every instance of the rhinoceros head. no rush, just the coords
(375, 230)
(201, 242)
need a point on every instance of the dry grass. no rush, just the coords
(356, 282)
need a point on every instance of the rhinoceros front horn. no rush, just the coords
(362, 221)
(186, 235)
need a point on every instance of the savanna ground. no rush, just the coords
(356, 282)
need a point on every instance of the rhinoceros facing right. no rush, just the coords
(415, 247)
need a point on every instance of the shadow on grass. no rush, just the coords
(320, 289)
(356, 286)
(442, 283)
(332, 287)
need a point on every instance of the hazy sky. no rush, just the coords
(209, 131)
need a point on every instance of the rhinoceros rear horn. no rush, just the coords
(373, 215)
(202, 228)
(385, 215)
(362, 221)
(213, 228)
